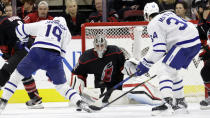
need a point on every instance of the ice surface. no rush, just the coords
(62, 110)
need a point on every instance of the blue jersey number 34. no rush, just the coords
(177, 21)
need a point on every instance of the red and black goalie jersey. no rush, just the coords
(107, 70)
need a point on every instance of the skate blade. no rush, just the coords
(162, 113)
(181, 111)
(205, 107)
(37, 106)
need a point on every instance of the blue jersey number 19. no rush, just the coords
(56, 32)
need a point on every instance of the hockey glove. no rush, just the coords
(20, 45)
(130, 66)
(143, 67)
(205, 55)
(6, 56)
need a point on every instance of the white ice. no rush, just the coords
(62, 110)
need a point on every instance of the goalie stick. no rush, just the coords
(99, 108)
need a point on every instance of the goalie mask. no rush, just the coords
(149, 9)
(100, 45)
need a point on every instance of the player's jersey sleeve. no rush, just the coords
(158, 37)
(24, 30)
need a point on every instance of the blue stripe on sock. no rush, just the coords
(178, 89)
(68, 91)
(9, 90)
(72, 95)
(165, 88)
(12, 84)
(165, 81)
(178, 82)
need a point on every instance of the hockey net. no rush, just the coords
(133, 37)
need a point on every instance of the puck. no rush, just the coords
(78, 109)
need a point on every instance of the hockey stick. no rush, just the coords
(117, 85)
(99, 108)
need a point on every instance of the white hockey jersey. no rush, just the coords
(49, 34)
(168, 29)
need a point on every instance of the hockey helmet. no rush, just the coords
(61, 20)
(100, 45)
(149, 9)
(199, 3)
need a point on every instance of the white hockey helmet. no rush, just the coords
(100, 45)
(149, 9)
(61, 20)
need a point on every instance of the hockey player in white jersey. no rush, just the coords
(177, 41)
(52, 39)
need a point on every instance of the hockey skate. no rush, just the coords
(3, 104)
(180, 106)
(35, 103)
(165, 108)
(205, 104)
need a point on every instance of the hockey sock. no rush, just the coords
(12, 85)
(30, 87)
(207, 90)
(68, 92)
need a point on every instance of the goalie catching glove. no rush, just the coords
(143, 67)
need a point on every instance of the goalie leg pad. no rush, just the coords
(77, 84)
(68, 92)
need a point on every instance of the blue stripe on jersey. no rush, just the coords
(150, 62)
(24, 30)
(165, 81)
(159, 44)
(68, 91)
(165, 87)
(188, 41)
(178, 82)
(12, 84)
(178, 89)
(72, 95)
(18, 31)
(45, 43)
(9, 90)
(159, 50)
